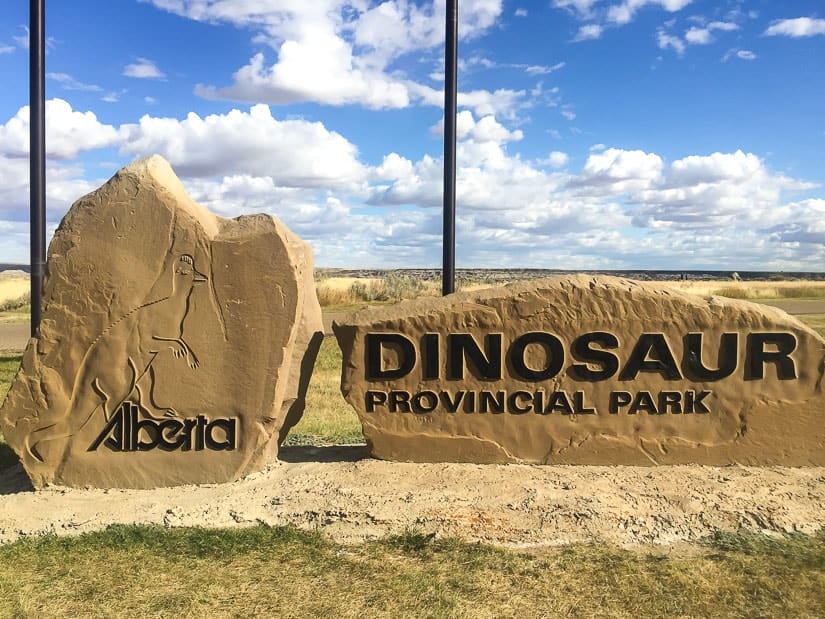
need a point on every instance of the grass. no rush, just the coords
(328, 418)
(772, 292)
(261, 571)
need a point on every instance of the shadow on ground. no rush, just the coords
(330, 453)
(13, 479)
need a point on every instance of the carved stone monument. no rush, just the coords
(175, 347)
(588, 370)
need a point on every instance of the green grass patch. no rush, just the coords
(261, 571)
(328, 418)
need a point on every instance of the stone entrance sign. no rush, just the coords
(590, 370)
(175, 347)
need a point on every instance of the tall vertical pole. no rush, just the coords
(37, 156)
(450, 105)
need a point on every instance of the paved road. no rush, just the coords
(14, 336)
(798, 307)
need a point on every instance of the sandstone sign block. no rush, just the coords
(585, 370)
(175, 345)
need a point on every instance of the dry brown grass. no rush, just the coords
(12, 289)
(753, 289)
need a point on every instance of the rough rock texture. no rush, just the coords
(634, 399)
(174, 343)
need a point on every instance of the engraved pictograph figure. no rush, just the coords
(119, 363)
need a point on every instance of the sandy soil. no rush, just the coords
(353, 499)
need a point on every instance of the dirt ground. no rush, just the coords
(352, 498)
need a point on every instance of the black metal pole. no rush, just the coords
(37, 155)
(450, 104)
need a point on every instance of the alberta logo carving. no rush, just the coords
(127, 432)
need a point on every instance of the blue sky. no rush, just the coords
(660, 134)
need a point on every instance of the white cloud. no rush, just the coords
(665, 40)
(625, 12)
(335, 52)
(294, 153)
(70, 83)
(320, 71)
(68, 132)
(520, 12)
(719, 190)
(568, 114)
(150, 100)
(6, 49)
(557, 159)
(143, 68)
(614, 170)
(744, 54)
(583, 7)
(798, 27)
(702, 36)
(588, 32)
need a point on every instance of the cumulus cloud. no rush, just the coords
(557, 159)
(335, 52)
(143, 68)
(797, 27)
(614, 170)
(68, 132)
(292, 152)
(589, 32)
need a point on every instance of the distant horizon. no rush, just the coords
(594, 134)
(744, 273)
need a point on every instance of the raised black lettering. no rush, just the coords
(227, 427)
(554, 352)
(727, 359)
(579, 407)
(785, 344)
(429, 356)
(618, 399)
(643, 402)
(514, 402)
(418, 404)
(373, 399)
(492, 403)
(670, 402)
(170, 437)
(399, 401)
(652, 345)
(112, 433)
(694, 404)
(607, 362)
(451, 403)
(374, 345)
(559, 403)
(463, 346)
